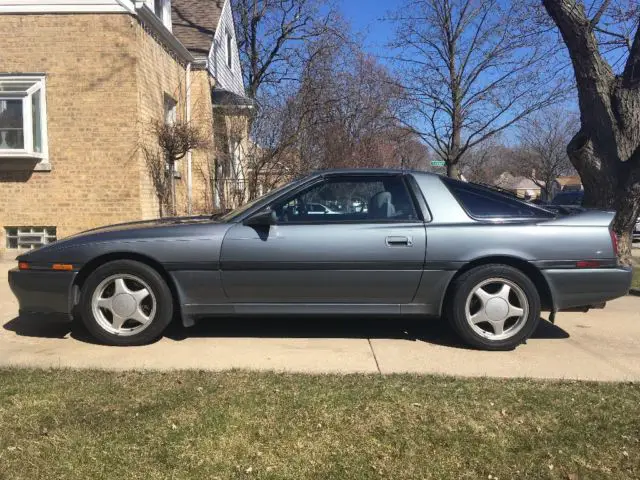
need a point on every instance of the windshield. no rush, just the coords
(568, 198)
(264, 198)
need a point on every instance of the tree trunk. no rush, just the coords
(606, 150)
(608, 185)
(453, 170)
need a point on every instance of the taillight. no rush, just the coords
(23, 266)
(614, 242)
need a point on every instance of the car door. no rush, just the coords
(369, 249)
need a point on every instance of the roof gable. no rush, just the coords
(194, 23)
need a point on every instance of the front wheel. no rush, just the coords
(126, 303)
(494, 307)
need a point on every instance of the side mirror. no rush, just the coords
(264, 218)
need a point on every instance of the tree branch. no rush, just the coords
(603, 8)
(631, 74)
(592, 72)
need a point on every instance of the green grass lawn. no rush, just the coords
(63, 424)
(636, 278)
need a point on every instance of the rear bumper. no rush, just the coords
(42, 291)
(572, 288)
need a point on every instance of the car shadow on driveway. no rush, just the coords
(48, 327)
(435, 331)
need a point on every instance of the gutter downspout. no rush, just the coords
(188, 120)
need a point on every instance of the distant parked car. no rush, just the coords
(571, 198)
(319, 209)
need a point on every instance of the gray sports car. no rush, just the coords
(395, 243)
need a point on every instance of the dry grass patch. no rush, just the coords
(635, 283)
(83, 424)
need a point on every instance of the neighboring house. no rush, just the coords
(571, 183)
(523, 187)
(81, 83)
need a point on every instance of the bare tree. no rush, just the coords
(171, 142)
(472, 68)
(272, 35)
(275, 40)
(485, 162)
(350, 106)
(606, 63)
(543, 148)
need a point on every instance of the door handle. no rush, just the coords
(398, 241)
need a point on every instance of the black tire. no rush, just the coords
(159, 288)
(467, 282)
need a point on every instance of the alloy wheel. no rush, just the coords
(123, 304)
(497, 308)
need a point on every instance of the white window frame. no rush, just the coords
(165, 12)
(27, 120)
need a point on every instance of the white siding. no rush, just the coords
(46, 6)
(227, 78)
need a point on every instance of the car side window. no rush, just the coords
(349, 199)
(481, 202)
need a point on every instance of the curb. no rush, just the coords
(635, 292)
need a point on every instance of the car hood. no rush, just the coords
(143, 224)
(130, 231)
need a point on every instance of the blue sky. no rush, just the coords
(365, 17)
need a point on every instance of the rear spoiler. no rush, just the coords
(590, 218)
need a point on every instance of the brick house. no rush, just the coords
(82, 81)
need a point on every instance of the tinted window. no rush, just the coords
(568, 198)
(349, 198)
(482, 202)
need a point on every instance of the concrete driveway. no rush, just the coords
(600, 345)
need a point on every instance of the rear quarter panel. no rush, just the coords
(455, 240)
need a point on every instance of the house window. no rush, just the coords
(169, 110)
(236, 160)
(162, 9)
(29, 237)
(157, 8)
(229, 58)
(22, 116)
(170, 117)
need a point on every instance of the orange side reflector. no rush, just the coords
(62, 266)
(23, 266)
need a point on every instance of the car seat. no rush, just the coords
(380, 206)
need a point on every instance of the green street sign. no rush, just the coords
(437, 163)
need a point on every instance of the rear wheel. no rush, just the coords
(126, 303)
(494, 307)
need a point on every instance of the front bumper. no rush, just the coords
(40, 291)
(571, 288)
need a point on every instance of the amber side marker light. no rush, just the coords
(62, 266)
(23, 266)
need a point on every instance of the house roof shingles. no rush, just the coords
(194, 23)
(573, 180)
